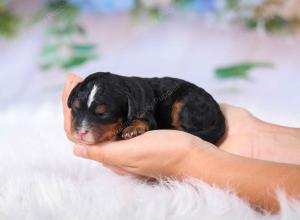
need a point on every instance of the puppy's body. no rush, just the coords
(106, 106)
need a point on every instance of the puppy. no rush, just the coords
(108, 107)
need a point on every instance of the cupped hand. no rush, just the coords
(158, 153)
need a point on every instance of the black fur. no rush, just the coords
(150, 100)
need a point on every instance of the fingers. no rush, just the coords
(120, 153)
(111, 157)
(95, 153)
(72, 81)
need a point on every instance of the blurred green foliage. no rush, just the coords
(65, 45)
(240, 70)
(273, 24)
(250, 15)
(140, 11)
(9, 22)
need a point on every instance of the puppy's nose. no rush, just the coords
(83, 132)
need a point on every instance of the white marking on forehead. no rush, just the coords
(92, 96)
(84, 124)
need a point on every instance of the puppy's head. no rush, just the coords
(98, 110)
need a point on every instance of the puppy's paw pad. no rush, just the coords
(131, 132)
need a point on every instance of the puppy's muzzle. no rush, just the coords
(85, 135)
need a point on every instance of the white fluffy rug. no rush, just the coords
(41, 179)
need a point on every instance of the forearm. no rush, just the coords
(278, 143)
(253, 180)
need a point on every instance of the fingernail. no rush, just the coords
(80, 151)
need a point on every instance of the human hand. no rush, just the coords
(158, 153)
(248, 136)
(241, 127)
(171, 153)
(176, 154)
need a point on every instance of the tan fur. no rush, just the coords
(77, 104)
(107, 132)
(176, 109)
(100, 109)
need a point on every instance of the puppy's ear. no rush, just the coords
(73, 95)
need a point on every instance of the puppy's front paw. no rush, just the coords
(132, 131)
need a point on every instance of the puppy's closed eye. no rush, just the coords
(100, 109)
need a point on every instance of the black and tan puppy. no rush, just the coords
(106, 107)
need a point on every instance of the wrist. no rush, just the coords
(202, 162)
(278, 143)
